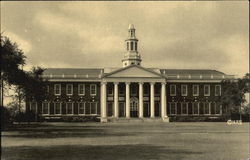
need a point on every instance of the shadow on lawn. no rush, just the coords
(63, 132)
(104, 152)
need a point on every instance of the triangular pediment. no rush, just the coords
(134, 71)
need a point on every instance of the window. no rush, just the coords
(157, 90)
(110, 107)
(195, 90)
(195, 108)
(127, 46)
(206, 108)
(93, 89)
(146, 90)
(93, 107)
(217, 109)
(47, 89)
(110, 90)
(121, 91)
(69, 108)
(206, 90)
(184, 90)
(132, 46)
(172, 108)
(136, 46)
(33, 107)
(57, 106)
(45, 108)
(217, 90)
(184, 108)
(57, 89)
(172, 90)
(133, 90)
(121, 109)
(87, 108)
(81, 108)
(69, 89)
(81, 89)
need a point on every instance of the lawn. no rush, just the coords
(136, 141)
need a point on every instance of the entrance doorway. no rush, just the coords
(134, 107)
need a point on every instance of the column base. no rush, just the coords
(165, 119)
(104, 119)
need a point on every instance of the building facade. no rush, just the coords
(131, 92)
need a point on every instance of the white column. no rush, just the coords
(104, 102)
(152, 100)
(141, 100)
(163, 99)
(116, 108)
(127, 100)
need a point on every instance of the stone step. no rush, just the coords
(135, 120)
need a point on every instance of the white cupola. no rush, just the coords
(131, 57)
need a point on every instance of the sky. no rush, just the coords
(172, 35)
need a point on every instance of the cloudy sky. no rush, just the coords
(196, 35)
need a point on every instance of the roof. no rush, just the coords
(191, 71)
(98, 73)
(73, 72)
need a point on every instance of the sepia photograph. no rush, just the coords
(125, 80)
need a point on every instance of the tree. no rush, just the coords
(233, 93)
(29, 84)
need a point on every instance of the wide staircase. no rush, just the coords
(134, 120)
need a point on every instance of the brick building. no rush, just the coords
(130, 92)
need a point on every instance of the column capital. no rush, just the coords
(104, 83)
(127, 83)
(141, 83)
(163, 83)
(152, 83)
(116, 83)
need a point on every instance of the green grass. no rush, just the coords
(138, 141)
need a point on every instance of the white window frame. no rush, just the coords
(209, 108)
(208, 90)
(60, 88)
(196, 85)
(172, 85)
(219, 90)
(60, 108)
(93, 94)
(84, 105)
(186, 108)
(69, 94)
(91, 108)
(186, 90)
(72, 107)
(48, 108)
(193, 108)
(83, 85)
(175, 106)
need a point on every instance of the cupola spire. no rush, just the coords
(131, 57)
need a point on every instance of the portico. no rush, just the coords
(136, 97)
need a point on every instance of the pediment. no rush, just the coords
(134, 71)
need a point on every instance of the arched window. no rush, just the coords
(131, 46)
(136, 46)
(127, 46)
